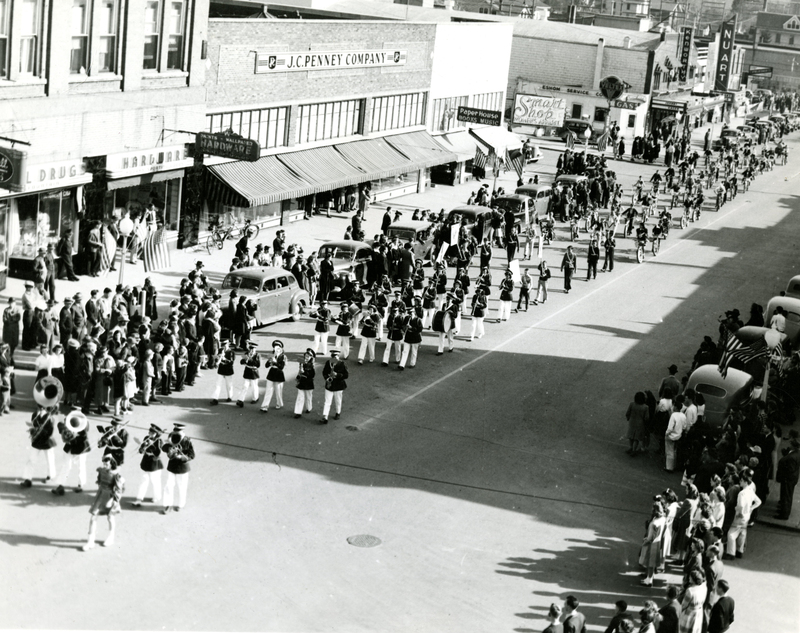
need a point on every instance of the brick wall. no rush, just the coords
(627, 64)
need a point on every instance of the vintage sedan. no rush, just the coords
(476, 217)
(793, 287)
(274, 290)
(350, 259)
(721, 394)
(419, 233)
(791, 308)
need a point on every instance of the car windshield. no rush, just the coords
(343, 252)
(241, 282)
(505, 205)
(406, 235)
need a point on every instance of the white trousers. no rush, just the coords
(398, 349)
(440, 300)
(248, 384)
(321, 338)
(331, 396)
(66, 468)
(303, 400)
(505, 311)
(737, 536)
(457, 322)
(147, 479)
(669, 450)
(449, 336)
(269, 388)
(223, 382)
(343, 343)
(367, 343)
(169, 489)
(409, 354)
(477, 324)
(34, 455)
(427, 316)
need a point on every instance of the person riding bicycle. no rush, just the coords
(656, 180)
(720, 191)
(664, 222)
(547, 226)
(641, 234)
(630, 214)
(573, 226)
(647, 204)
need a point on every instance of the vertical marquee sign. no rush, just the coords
(727, 32)
(686, 49)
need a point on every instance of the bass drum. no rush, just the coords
(442, 321)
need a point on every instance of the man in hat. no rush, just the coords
(396, 324)
(305, 384)
(506, 296)
(335, 374)
(343, 328)
(322, 327)
(440, 281)
(412, 337)
(104, 366)
(30, 299)
(12, 315)
(114, 440)
(64, 252)
(251, 364)
(150, 449)
(40, 272)
(452, 308)
(180, 451)
(65, 324)
(275, 377)
(78, 319)
(479, 307)
(41, 435)
(670, 386)
(429, 303)
(50, 324)
(50, 265)
(369, 332)
(77, 447)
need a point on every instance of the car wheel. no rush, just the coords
(299, 310)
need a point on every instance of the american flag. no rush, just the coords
(514, 158)
(570, 139)
(731, 345)
(109, 250)
(602, 142)
(480, 158)
(156, 251)
(758, 349)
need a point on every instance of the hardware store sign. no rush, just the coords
(327, 60)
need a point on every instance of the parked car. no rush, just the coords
(274, 290)
(721, 394)
(472, 213)
(728, 138)
(419, 233)
(578, 127)
(350, 258)
(748, 132)
(791, 307)
(570, 179)
(523, 207)
(534, 153)
(793, 287)
(540, 194)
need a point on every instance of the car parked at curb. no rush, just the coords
(275, 292)
(721, 394)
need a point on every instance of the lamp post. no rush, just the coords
(125, 228)
(587, 134)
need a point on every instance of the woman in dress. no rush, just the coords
(652, 547)
(692, 606)
(110, 486)
(717, 507)
(638, 415)
(672, 505)
(683, 522)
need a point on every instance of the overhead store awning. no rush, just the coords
(245, 184)
(324, 167)
(376, 157)
(497, 138)
(460, 143)
(144, 179)
(421, 149)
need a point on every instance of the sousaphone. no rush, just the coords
(48, 391)
(76, 421)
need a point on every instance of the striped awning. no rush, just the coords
(376, 157)
(324, 167)
(497, 139)
(245, 184)
(421, 149)
(461, 143)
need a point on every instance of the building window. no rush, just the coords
(29, 30)
(80, 37)
(577, 110)
(631, 120)
(321, 121)
(657, 79)
(600, 115)
(3, 40)
(791, 40)
(152, 28)
(445, 112)
(398, 111)
(107, 36)
(175, 44)
(267, 126)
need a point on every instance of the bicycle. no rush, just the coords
(220, 234)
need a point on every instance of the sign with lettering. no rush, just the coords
(533, 110)
(476, 115)
(148, 161)
(56, 175)
(327, 60)
(12, 169)
(228, 145)
(687, 33)
(612, 87)
(761, 71)
(727, 31)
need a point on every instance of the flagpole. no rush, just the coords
(765, 388)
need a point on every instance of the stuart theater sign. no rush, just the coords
(327, 60)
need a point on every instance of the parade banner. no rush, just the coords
(534, 110)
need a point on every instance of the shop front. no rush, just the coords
(52, 201)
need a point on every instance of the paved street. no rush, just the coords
(495, 477)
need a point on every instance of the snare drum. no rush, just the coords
(442, 321)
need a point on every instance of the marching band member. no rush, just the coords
(452, 308)
(343, 322)
(251, 364)
(479, 304)
(397, 303)
(458, 292)
(224, 372)
(76, 446)
(305, 383)
(440, 277)
(110, 486)
(151, 465)
(322, 327)
(413, 337)
(275, 377)
(506, 297)
(335, 374)
(180, 452)
(396, 322)
(42, 443)
(381, 303)
(418, 278)
(114, 439)
(369, 331)
(407, 294)
(429, 303)
(485, 281)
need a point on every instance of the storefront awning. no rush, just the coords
(245, 184)
(376, 157)
(323, 167)
(421, 149)
(143, 179)
(497, 139)
(460, 143)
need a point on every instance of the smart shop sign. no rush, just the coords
(328, 60)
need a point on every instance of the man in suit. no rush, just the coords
(79, 321)
(574, 622)
(386, 222)
(65, 323)
(50, 265)
(787, 475)
(722, 612)
(64, 252)
(180, 452)
(406, 263)
(92, 311)
(670, 612)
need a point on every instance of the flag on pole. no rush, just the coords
(731, 344)
(107, 251)
(570, 139)
(602, 142)
(514, 159)
(480, 158)
(758, 349)
(156, 251)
